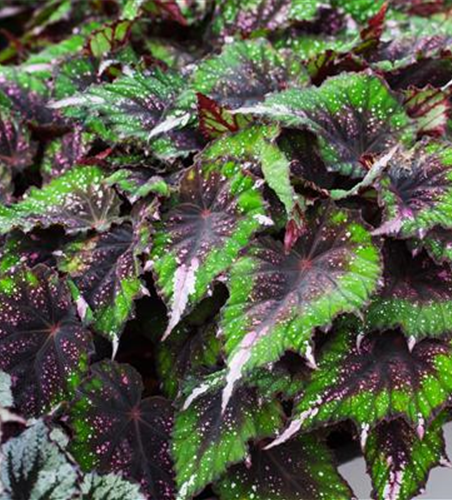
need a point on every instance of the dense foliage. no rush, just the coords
(225, 247)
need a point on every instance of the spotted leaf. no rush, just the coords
(105, 275)
(278, 298)
(300, 469)
(246, 17)
(27, 96)
(43, 345)
(33, 248)
(244, 73)
(208, 222)
(354, 116)
(117, 431)
(17, 150)
(399, 462)
(206, 439)
(138, 182)
(78, 200)
(361, 10)
(438, 244)
(190, 350)
(416, 191)
(373, 379)
(136, 107)
(257, 150)
(416, 296)
(64, 153)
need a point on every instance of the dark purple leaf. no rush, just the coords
(43, 344)
(299, 470)
(117, 431)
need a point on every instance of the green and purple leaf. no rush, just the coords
(105, 275)
(354, 116)
(30, 249)
(138, 182)
(139, 107)
(117, 431)
(372, 379)
(438, 244)
(277, 299)
(79, 200)
(416, 296)
(17, 150)
(430, 108)
(65, 152)
(244, 73)
(256, 148)
(215, 120)
(416, 191)
(43, 345)
(189, 351)
(206, 439)
(399, 462)
(300, 469)
(207, 223)
(245, 17)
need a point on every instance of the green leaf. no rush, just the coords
(78, 200)
(399, 462)
(207, 440)
(277, 299)
(361, 10)
(438, 244)
(374, 379)
(188, 351)
(354, 116)
(301, 469)
(203, 228)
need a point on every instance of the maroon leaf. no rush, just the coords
(375, 26)
(431, 109)
(215, 120)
